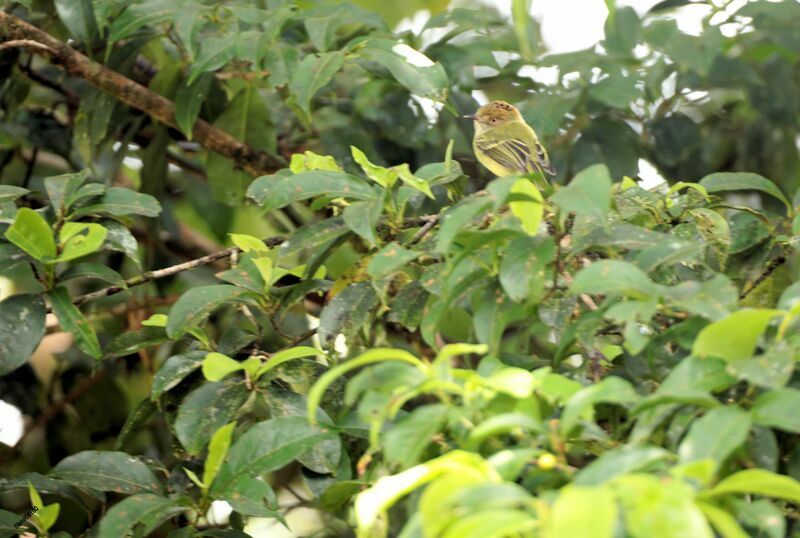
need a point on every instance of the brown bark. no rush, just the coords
(14, 32)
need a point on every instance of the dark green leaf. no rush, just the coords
(614, 276)
(407, 439)
(188, 101)
(174, 370)
(194, 306)
(21, 328)
(78, 17)
(268, 446)
(146, 510)
(389, 259)
(131, 342)
(120, 202)
(522, 268)
(207, 409)
(311, 75)
(363, 217)
(9, 193)
(348, 311)
(72, 320)
(274, 192)
(778, 409)
(736, 181)
(106, 471)
(314, 236)
(408, 304)
(95, 271)
(408, 66)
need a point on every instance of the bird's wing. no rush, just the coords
(513, 152)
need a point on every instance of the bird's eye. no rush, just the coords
(494, 120)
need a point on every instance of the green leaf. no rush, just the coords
(778, 409)
(311, 75)
(31, 233)
(9, 193)
(215, 52)
(106, 471)
(713, 299)
(247, 119)
(609, 390)
(248, 243)
(94, 271)
(363, 217)
(120, 202)
(62, 190)
(135, 422)
(734, 337)
(654, 508)
(385, 177)
(188, 101)
(274, 192)
(286, 355)
(500, 424)
(618, 461)
(584, 511)
(736, 181)
(458, 217)
(725, 524)
(527, 205)
(408, 66)
(389, 259)
(589, 193)
(614, 276)
(194, 306)
(408, 305)
(314, 237)
(771, 369)
(216, 366)
(147, 511)
(348, 311)
(72, 320)
(715, 435)
(267, 446)
(407, 439)
(22, 327)
(174, 370)
(131, 342)
(205, 410)
(622, 30)
(757, 482)
(522, 267)
(217, 450)
(78, 17)
(74, 243)
(368, 357)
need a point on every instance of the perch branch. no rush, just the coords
(14, 32)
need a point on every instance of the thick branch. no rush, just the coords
(14, 32)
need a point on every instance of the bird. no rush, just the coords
(505, 144)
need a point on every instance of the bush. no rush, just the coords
(287, 284)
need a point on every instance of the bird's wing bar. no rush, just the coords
(516, 155)
(510, 153)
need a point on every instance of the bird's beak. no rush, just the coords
(470, 116)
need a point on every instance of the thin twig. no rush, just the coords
(422, 232)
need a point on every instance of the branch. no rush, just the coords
(14, 32)
(768, 270)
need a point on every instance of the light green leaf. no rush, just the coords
(584, 511)
(217, 450)
(589, 193)
(389, 259)
(527, 205)
(758, 482)
(614, 276)
(216, 366)
(734, 337)
(778, 409)
(31, 233)
(74, 243)
(715, 435)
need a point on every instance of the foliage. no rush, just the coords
(421, 349)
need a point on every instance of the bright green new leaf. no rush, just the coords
(74, 243)
(31, 233)
(216, 366)
(217, 450)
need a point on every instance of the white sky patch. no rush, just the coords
(429, 107)
(569, 25)
(412, 56)
(542, 75)
(11, 424)
(649, 175)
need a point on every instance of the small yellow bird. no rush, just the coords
(505, 144)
